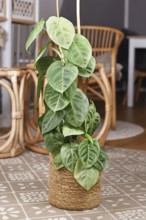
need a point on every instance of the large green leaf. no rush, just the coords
(92, 120)
(61, 76)
(34, 33)
(69, 156)
(89, 152)
(80, 51)
(103, 159)
(53, 141)
(51, 120)
(77, 110)
(89, 69)
(61, 31)
(44, 62)
(56, 101)
(40, 54)
(87, 178)
(71, 90)
(42, 65)
(57, 161)
(69, 131)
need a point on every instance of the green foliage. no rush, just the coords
(60, 76)
(86, 177)
(35, 32)
(78, 109)
(69, 119)
(92, 120)
(89, 152)
(80, 51)
(61, 31)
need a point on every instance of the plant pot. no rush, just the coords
(66, 193)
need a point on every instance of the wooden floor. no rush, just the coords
(136, 114)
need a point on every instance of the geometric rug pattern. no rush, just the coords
(24, 190)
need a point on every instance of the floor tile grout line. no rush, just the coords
(129, 195)
(128, 172)
(68, 214)
(123, 209)
(109, 212)
(36, 173)
(122, 190)
(13, 192)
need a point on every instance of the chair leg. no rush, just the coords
(139, 82)
(113, 116)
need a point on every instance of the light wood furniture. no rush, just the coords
(33, 138)
(104, 41)
(14, 12)
(12, 138)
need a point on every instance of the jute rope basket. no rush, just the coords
(66, 193)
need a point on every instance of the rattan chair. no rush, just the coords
(105, 42)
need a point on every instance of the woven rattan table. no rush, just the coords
(12, 138)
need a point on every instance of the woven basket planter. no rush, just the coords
(66, 193)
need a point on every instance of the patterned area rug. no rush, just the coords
(124, 130)
(24, 190)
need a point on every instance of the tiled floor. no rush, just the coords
(24, 193)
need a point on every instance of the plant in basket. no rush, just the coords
(70, 118)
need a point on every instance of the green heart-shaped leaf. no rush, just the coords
(55, 100)
(61, 76)
(92, 120)
(42, 65)
(51, 120)
(69, 156)
(87, 178)
(89, 152)
(77, 110)
(34, 33)
(80, 51)
(61, 31)
(69, 131)
(89, 69)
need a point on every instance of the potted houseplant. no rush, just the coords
(69, 120)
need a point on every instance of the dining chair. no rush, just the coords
(105, 42)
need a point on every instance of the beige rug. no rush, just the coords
(124, 130)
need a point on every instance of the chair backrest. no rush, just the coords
(103, 40)
(105, 43)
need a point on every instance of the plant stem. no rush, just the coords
(57, 12)
(78, 16)
(89, 137)
(57, 8)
